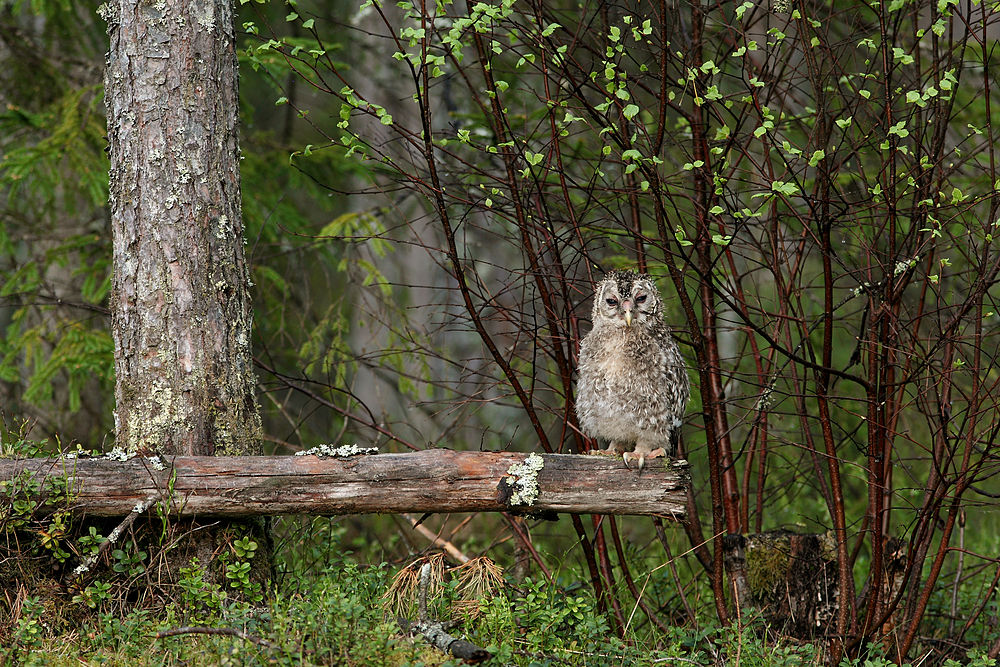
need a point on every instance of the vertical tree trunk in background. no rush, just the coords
(180, 300)
(180, 303)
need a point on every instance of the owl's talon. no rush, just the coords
(642, 456)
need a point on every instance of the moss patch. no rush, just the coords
(767, 563)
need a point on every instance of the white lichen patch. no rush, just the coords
(142, 506)
(222, 229)
(205, 16)
(857, 291)
(523, 479)
(117, 454)
(108, 13)
(156, 463)
(342, 451)
(905, 265)
(150, 432)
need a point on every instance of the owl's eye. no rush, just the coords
(612, 302)
(641, 298)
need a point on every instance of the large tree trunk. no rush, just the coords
(180, 302)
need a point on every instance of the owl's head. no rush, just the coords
(626, 299)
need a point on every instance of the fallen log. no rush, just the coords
(433, 480)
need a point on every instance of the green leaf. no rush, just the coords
(681, 238)
(901, 55)
(784, 188)
(630, 111)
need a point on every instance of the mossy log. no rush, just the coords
(434, 480)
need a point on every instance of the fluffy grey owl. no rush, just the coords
(633, 385)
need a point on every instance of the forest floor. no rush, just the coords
(327, 607)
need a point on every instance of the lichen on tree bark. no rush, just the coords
(181, 314)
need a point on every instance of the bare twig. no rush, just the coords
(88, 563)
(437, 540)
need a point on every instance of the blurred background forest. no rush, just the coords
(429, 193)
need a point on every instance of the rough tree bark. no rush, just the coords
(180, 302)
(180, 298)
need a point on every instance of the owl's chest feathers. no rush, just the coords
(622, 385)
(622, 359)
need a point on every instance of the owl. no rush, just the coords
(633, 385)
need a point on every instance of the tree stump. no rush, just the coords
(791, 579)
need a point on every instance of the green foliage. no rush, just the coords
(68, 138)
(95, 595)
(30, 626)
(201, 601)
(129, 561)
(329, 607)
(55, 355)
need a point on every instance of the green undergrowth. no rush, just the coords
(327, 607)
(342, 615)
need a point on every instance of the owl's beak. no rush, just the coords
(628, 318)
